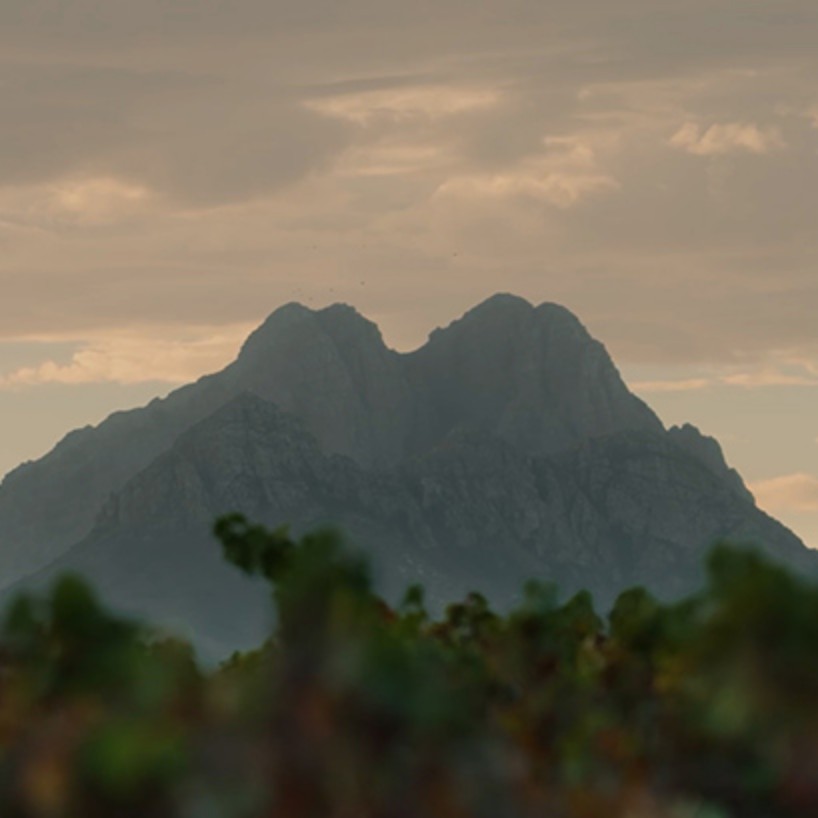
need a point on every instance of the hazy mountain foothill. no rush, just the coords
(506, 448)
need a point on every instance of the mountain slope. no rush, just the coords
(623, 509)
(505, 448)
(531, 375)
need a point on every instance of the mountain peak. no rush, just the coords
(341, 311)
(279, 321)
(346, 325)
(499, 308)
(556, 313)
(342, 322)
(531, 375)
(506, 312)
(505, 302)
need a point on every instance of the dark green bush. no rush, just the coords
(352, 709)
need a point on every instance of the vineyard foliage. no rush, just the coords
(705, 708)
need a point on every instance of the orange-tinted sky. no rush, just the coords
(173, 170)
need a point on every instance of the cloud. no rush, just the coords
(563, 172)
(394, 158)
(791, 492)
(166, 162)
(746, 380)
(62, 119)
(720, 140)
(232, 147)
(404, 104)
(768, 377)
(132, 360)
(83, 202)
(95, 201)
(560, 189)
(201, 139)
(779, 368)
(687, 385)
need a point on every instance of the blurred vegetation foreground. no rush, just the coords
(703, 708)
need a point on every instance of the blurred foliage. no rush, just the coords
(705, 708)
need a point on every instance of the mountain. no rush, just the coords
(507, 447)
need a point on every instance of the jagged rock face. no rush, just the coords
(151, 551)
(48, 505)
(332, 369)
(530, 375)
(507, 447)
(474, 512)
(707, 450)
(533, 376)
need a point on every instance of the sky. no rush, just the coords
(171, 171)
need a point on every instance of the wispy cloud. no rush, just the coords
(564, 172)
(130, 360)
(393, 158)
(790, 492)
(80, 201)
(686, 385)
(764, 378)
(405, 104)
(557, 188)
(731, 137)
(786, 372)
(97, 200)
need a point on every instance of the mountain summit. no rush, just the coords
(507, 447)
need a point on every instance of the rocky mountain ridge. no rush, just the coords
(491, 371)
(506, 447)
